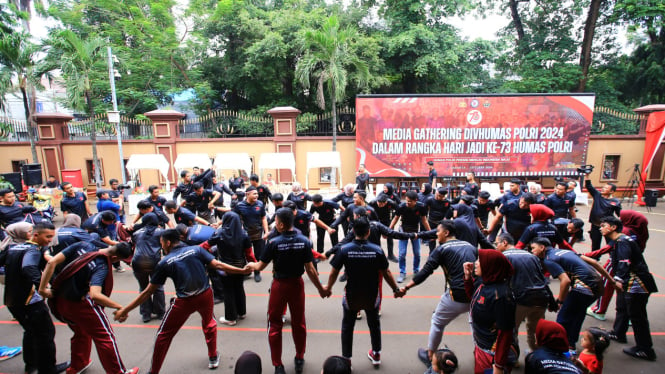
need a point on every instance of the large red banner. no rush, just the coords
(493, 136)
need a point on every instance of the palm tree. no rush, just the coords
(18, 56)
(77, 58)
(329, 59)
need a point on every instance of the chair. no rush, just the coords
(379, 188)
(485, 186)
(506, 187)
(495, 191)
(581, 197)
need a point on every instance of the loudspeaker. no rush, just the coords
(650, 197)
(15, 180)
(32, 174)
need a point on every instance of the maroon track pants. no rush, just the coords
(90, 323)
(176, 316)
(608, 290)
(283, 292)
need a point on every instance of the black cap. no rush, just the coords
(382, 198)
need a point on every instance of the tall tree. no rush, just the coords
(19, 57)
(78, 58)
(331, 60)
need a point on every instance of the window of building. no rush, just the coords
(16, 165)
(610, 167)
(91, 171)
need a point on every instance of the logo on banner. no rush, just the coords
(474, 103)
(474, 117)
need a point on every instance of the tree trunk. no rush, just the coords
(333, 101)
(93, 138)
(29, 120)
(516, 20)
(587, 42)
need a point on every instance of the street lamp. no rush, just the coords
(114, 115)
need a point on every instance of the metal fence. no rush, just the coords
(608, 121)
(12, 130)
(321, 124)
(226, 124)
(130, 128)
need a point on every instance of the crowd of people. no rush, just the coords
(497, 257)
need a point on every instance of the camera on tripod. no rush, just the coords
(124, 187)
(585, 169)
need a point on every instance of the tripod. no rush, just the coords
(633, 184)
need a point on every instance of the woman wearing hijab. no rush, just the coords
(635, 225)
(425, 193)
(71, 232)
(299, 196)
(233, 248)
(389, 192)
(16, 233)
(147, 253)
(550, 357)
(492, 310)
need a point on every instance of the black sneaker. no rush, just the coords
(146, 318)
(424, 357)
(280, 369)
(393, 259)
(61, 367)
(643, 354)
(616, 338)
(300, 364)
(343, 277)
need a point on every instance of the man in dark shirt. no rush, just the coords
(485, 206)
(277, 202)
(579, 284)
(100, 223)
(431, 177)
(204, 177)
(22, 276)
(253, 215)
(542, 228)
(325, 209)
(517, 213)
(202, 200)
(450, 255)
(362, 177)
(471, 186)
(10, 210)
(604, 204)
(155, 199)
(222, 188)
(183, 215)
(365, 265)
(74, 202)
(117, 197)
(437, 207)
(80, 301)
(347, 215)
(292, 255)
(263, 190)
(632, 274)
(184, 188)
(52, 182)
(146, 207)
(186, 266)
(412, 214)
(530, 288)
(564, 207)
(384, 208)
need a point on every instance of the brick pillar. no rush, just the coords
(284, 119)
(166, 130)
(52, 130)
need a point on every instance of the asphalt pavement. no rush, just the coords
(404, 322)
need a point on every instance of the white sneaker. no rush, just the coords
(225, 321)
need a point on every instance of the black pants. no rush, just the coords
(235, 302)
(38, 335)
(258, 246)
(321, 236)
(389, 241)
(633, 307)
(155, 304)
(216, 283)
(349, 323)
(596, 237)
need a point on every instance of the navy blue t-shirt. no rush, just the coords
(200, 202)
(517, 219)
(363, 262)
(300, 199)
(484, 210)
(528, 281)
(583, 277)
(147, 249)
(560, 205)
(411, 217)
(157, 203)
(546, 360)
(438, 209)
(11, 214)
(302, 221)
(509, 196)
(198, 234)
(93, 274)
(345, 199)
(186, 265)
(492, 309)
(326, 211)
(70, 235)
(95, 224)
(542, 229)
(290, 252)
(75, 204)
(451, 256)
(184, 215)
(251, 214)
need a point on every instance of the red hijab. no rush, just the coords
(551, 335)
(540, 212)
(636, 223)
(494, 266)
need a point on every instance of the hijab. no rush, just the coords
(349, 189)
(72, 220)
(232, 233)
(551, 335)
(636, 223)
(494, 266)
(16, 234)
(427, 189)
(296, 188)
(150, 223)
(540, 212)
(389, 187)
(248, 362)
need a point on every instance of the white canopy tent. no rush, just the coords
(278, 161)
(233, 161)
(189, 160)
(149, 162)
(317, 160)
